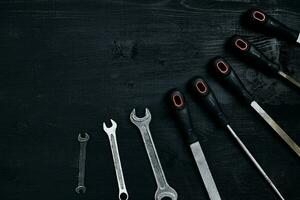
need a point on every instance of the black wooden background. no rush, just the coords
(69, 65)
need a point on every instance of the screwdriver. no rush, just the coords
(203, 92)
(260, 21)
(227, 75)
(249, 53)
(182, 114)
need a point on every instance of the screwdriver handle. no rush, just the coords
(222, 70)
(182, 115)
(260, 21)
(248, 52)
(202, 91)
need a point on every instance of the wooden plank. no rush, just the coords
(69, 65)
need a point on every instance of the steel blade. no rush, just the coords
(298, 39)
(289, 78)
(205, 172)
(263, 173)
(276, 127)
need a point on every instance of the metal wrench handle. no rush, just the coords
(152, 154)
(111, 133)
(82, 157)
(117, 164)
(163, 188)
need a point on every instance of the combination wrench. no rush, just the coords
(83, 139)
(111, 133)
(163, 188)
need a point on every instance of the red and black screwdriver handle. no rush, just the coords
(260, 21)
(221, 69)
(182, 115)
(249, 53)
(225, 73)
(205, 95)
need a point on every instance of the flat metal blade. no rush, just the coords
(205, 172)
(289, 78)
(298, 39)
(276, 127)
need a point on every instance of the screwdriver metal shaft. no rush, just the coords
(263, 173)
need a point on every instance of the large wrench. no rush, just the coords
(163, 188)
(82, 157)
(111, 133)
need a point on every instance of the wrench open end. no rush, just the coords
(112, 129)
(134, 119)
(83, 137)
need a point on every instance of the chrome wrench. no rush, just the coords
(83, 139)
(111, 133)
(163, 188)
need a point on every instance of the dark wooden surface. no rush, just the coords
(67, 66)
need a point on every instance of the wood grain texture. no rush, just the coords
(69, 65)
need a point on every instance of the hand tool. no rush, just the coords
(163, 189)
(83, 139)
(227, 75)
(182, 114)
(203, 92)
(260, 21)
(248, 52)
(111, 133)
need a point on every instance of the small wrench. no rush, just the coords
(163, 188)
(82, 157)
(111, 133)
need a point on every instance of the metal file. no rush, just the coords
(205, 172)
(183, 117)
(275, 127)
(289, 78)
